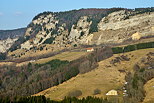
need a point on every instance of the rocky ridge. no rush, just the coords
(8, 38)
(111, 27)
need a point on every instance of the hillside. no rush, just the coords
(149, 88)
(81, 53)
(36, 75)
(8, 38)
(107, 76)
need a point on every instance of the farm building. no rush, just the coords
(90, 49)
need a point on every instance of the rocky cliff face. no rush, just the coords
(122, 25)
(69, 29)
(52, 32)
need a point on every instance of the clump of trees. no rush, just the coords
(2, 56)
(136, 81)
(129, 48)
(144, 10)
(49, 40)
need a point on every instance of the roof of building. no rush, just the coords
(89, 48)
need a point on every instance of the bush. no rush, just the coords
(82, 33)
(75, 93)
(2, 56)
(75, 45)
(97, 91)
(49, 40)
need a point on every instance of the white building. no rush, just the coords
(90, 49)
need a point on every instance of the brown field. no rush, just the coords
(149, 88)
(105, 78)
(62, 56)
(34, 53)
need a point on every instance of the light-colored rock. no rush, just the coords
(6, 44)
(28, 31)
(152, 28)
(50, 25)
(115, 23)
(136, 36)
(119, 26)
(26, 45)
(82, 26)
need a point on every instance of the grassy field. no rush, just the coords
(62, 56)
(149, 88)
(104, 78)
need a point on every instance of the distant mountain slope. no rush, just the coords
(8, 38)
(4, 34)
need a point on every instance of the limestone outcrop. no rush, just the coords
(6, 44)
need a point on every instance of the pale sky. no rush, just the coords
(19, 13)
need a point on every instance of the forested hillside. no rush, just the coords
(4, 34)
(32, 78)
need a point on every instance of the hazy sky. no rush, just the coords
(19, 13)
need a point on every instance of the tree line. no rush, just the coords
(129, 48)
(43, 99)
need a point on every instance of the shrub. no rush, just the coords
(75, 45)
(75, 93)
(40, 40)
(82, 33)
(97, 91)
(49, 40)
(2, 56)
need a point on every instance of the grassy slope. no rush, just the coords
(104, 78)
(149, 91)
(62, 56)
